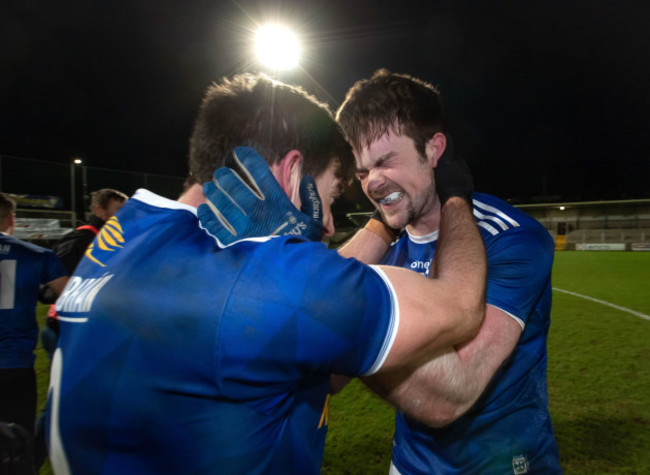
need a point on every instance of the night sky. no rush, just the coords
(548, 100)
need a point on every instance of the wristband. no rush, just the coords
(377, 226)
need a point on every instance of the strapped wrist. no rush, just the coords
(379, 228)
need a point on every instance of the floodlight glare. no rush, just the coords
(277, 47)
(78, 161)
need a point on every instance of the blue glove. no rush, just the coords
(235, 211)
(453, 177)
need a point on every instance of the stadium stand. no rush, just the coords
(623, 224)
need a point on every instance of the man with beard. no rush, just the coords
(480, 406)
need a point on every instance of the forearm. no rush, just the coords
(435, 394)
(460, 265)
(365, 246)
(445, 387)
(436, 313)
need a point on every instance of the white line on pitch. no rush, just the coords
(603, 302)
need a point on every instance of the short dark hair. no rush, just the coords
(390, 101)
(103, 197)
(270, 116)
(7, 205)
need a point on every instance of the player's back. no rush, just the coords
(169, 360)
(23, 267)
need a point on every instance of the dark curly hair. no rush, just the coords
(390, 101)
(270, 116)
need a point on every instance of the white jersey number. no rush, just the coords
(7, 283)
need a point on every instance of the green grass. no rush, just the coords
(42, 368)
(599, 380)
(598, 377)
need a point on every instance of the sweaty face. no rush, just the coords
(397, 179)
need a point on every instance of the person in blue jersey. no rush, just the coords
(23, 268)
(104, 203)
(180, 353)
(480, 406)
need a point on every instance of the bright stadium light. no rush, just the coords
(77, 161)
(277, 47)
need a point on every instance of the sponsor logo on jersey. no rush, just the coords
(79, 294)
(519, 464)
(109, 239)
(5, 248)
(421, 266)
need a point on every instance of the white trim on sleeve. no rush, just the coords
(514, 317)
(393, 325)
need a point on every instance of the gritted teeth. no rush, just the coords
(394, 196)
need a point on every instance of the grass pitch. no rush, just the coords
(598, 376)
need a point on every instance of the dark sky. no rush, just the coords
(545, 98)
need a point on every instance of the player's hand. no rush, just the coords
(234, 210)
(453, 177)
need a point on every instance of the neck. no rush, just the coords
(193, 196)
(428, 222)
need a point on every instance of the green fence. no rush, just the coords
(74, 183)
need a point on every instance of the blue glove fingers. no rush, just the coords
(231, 186)
(228, 216)
(312, 206)
(256, 170)
(213, 225)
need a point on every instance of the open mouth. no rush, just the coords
(392, 198)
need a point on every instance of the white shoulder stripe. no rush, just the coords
(391, 332)
(496, 211)
(485, 217)
(490, 229)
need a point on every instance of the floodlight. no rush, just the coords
(77, 161)
(277, 47)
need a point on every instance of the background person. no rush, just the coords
(23, 268)
(104, 204)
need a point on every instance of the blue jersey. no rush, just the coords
(509, 429)
(177, 356)
(23, 268)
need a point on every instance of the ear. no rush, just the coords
(10, 224)
(435, 147)
(288, 172)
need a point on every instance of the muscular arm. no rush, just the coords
(444, 388)
(438, 313)
(365, 246)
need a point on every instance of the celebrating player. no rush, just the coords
(180, 355)
(486, 399)
(480, 406)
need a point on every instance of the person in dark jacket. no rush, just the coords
(103, 205)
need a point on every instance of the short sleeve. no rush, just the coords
(53, 268)
(519, 268)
